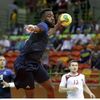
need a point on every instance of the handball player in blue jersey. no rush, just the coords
(5, 75)
(28, 66)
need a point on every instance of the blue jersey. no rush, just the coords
(28, 67)
(36, 44)
(8, 76)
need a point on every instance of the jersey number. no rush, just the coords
(75, 82)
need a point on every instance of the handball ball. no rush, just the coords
(66, 19)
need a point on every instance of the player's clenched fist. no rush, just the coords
(31, 28)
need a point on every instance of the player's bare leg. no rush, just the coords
(49, 88)
(29, 93)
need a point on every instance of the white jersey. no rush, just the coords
(78, 80)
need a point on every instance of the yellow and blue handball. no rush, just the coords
(66, 19)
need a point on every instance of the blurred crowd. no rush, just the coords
(84, 31)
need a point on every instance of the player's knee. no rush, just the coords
(48, 85)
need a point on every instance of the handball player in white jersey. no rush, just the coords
(73, 83)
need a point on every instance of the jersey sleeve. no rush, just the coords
(43, 26)
(83, 79)
(63, 81)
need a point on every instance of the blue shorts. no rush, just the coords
(28, 73)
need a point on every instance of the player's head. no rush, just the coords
(73, 66)
(2, 62)
(48, 16)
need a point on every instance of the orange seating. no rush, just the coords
(64, 56)
(75, 58)
(52, 53)
(75, 53)
(84, 66)
(92, 81)
(63, 53)
(11, 57)
(60, 55)
(77, 48)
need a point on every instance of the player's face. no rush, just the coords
(74, 67)
(49, 17)
(2, 62)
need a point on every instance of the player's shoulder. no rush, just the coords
(66, 75)
(43, 26)
(82, 75)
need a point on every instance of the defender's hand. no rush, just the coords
(5, 84)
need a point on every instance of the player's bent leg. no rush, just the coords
(49, 88)
(29, 93)
(25, 80)
(42, 77)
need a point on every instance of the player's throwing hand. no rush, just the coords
(31, 28)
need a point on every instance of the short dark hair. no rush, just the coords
(71, 61)
(44, 10)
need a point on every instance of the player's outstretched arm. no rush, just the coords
(64, 89)
(32, 28)
(88, 91)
